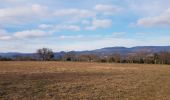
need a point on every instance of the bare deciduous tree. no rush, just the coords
(164, 57)
(45, 54)
(69, 56)
(131, 57)
(142, 55)
(117, 57)
(88, 57)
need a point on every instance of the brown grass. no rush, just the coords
(83, 81)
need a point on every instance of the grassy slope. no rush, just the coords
(74, 81)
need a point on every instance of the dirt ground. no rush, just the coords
(83, 81)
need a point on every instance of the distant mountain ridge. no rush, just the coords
(102, 51)
(124, 50)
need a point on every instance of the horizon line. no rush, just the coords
(87, 50)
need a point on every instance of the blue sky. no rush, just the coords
(64, 25)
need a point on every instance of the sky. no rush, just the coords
(65, 25)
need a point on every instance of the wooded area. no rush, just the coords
(142, 57)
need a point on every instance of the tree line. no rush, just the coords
(142, 56)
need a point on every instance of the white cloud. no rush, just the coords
(118, 34)
(45, 26)
(160, 20)
(75, 13)
(71, 27)
(70, 36)
(36, 33)
(13, 1)
(21, 14)
(85, 22)
(100, 23)
(107, 9)
(31, 34)
(38, 9)
(4, 35)
(55, 28)
(147, 7)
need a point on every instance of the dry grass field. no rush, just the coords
(83, 81)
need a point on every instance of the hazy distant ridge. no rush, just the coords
(102, 51)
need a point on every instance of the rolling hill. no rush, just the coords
(102, 51)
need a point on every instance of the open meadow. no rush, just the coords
(83, 81)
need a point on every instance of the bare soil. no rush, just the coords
(83, 81)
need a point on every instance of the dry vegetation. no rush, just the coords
(83, 81)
